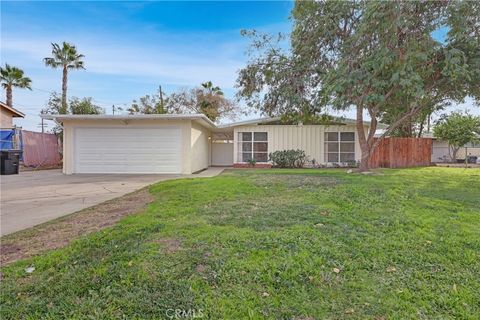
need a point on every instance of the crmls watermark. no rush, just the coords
(184, 313)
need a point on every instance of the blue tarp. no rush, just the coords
(6, 136)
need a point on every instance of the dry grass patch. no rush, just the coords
(59, 232)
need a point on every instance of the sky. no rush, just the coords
(132, 47)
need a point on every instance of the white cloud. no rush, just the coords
(174, 65)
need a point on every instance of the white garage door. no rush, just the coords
(127, 150)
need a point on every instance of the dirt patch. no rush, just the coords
(58, 233)
(170, 245)
(200, 268)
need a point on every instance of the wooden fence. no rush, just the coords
(402, 153)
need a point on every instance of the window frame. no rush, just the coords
(339, 143)
(252, 142)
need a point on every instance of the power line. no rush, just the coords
(95, 100)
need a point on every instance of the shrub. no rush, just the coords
(288, 158)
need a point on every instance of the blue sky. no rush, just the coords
(131, 48)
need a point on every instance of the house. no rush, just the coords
(7, 114)
(441, 151)
(173, 143)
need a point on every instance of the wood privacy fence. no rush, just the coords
(402, 153)
(40, 149)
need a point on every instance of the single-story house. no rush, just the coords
(7, 114)
(441, 151)
(172, 143)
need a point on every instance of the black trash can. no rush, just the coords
(472, 159)
(9, 161)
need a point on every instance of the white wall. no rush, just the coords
(309, 138)
(200, 148)
(441, 148)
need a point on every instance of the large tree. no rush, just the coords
(67, 58)
(378, 57)
(206, 99)
(13, 77)
(457, 129)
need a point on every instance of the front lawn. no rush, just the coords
(277, 244)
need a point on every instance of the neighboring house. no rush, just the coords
(170, 143)
(441, 150)
(7, 114)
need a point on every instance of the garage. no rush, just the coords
(127, 150)
(135, 144)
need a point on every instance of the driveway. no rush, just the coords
(34, 197)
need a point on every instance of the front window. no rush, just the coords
(252, 145)
(340, 147)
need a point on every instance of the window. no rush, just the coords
(252, 145)
(340, 147)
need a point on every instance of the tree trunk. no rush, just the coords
(63, 110)
(362, 139)
(9, 96)
(420, 131)
(453, 155)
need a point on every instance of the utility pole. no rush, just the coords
(42, 125)
(161, 97)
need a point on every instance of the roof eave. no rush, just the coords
(16, 113)
(194, 117)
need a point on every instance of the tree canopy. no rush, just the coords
(378, 57)
(75, 105)
(10, 77)
(207, 99)
(148, 104)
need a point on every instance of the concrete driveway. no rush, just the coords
(35, 197)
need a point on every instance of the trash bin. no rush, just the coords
(472, 159)
(9, 161)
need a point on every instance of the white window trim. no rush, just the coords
(339, 142)
(239, 142)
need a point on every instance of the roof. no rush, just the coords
(267, 120)
(196, 117)
(15, 112)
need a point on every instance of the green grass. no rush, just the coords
(263, 244)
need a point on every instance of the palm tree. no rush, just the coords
(211, 89)
(65, 57)
(13, 77)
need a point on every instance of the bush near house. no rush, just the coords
(288, 158)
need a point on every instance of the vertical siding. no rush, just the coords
(309, 138)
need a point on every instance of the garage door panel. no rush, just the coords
(128, 150)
